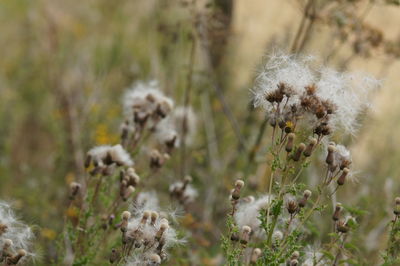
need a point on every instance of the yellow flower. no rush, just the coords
(69, 177)
(48, 233)
(72, 212)
(103, 135)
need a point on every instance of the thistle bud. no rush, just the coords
(277, 236)
(296, 156)
(3, 228)
(163, 227)
(125, 217)
(154, 217)
(114, 255)
(292, 206)
(295, 255)
(255, 255)
(156, 159)
(330, 158)
(281, 124)
(234, 237)
(155, 258)
(16, 258)
(342, 227)
(294, 262)
(343, 176)
(74, 188)
(397, 206)
(128, 192)
(336, 214)
(290, 142)
(236, 191)
(246, 230)
(310, 147)
(145, 217)
(7, 243)
(303, 201)
(272, 122)
(88, 160)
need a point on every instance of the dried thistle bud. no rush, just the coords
(297, 155)
(163, 227)
(154, 217)
(125, 217)
(114, 255)
(397, 206)
(236, 191)
(295, 255)
(272, 122)
(234, 237)
(88, 160)
(290, 142)
(132, 177)
(330, 158)
(7, 243)
(245, 238)
(16, 258)
(156, 159)
(292, 206)
(294, 262)
(277, 236)
(3, 228)
(342, 179)
(310, 147)
(128, 192)
(145, 217)
(342, 227)
(74, 188)
(255, 255)
(303, 201)
(281, 124)
(155, 258)
(336, 214)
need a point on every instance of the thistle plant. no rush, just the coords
(111, 198)
(306, 107)
(15, 238)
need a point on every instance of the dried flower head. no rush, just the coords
(291, 89)
(15, 237)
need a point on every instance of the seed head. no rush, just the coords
(341, 180)
(255, 255)
(290, 142)
(155, 258)
(310, 147)
(300, 149)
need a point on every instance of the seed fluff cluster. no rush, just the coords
(291, 89)
(15, 237)
(146, 232)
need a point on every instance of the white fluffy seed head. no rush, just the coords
(126, 215)
(307, 193)
(397, 200)
(8, 243)
(295, 255)
(277, 235)
(239, 183)
(154, 215)
(246, 229)
(164, 226)
(257, 251)
(22, 252)
(155, 258)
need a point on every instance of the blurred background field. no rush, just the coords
(65, 65)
